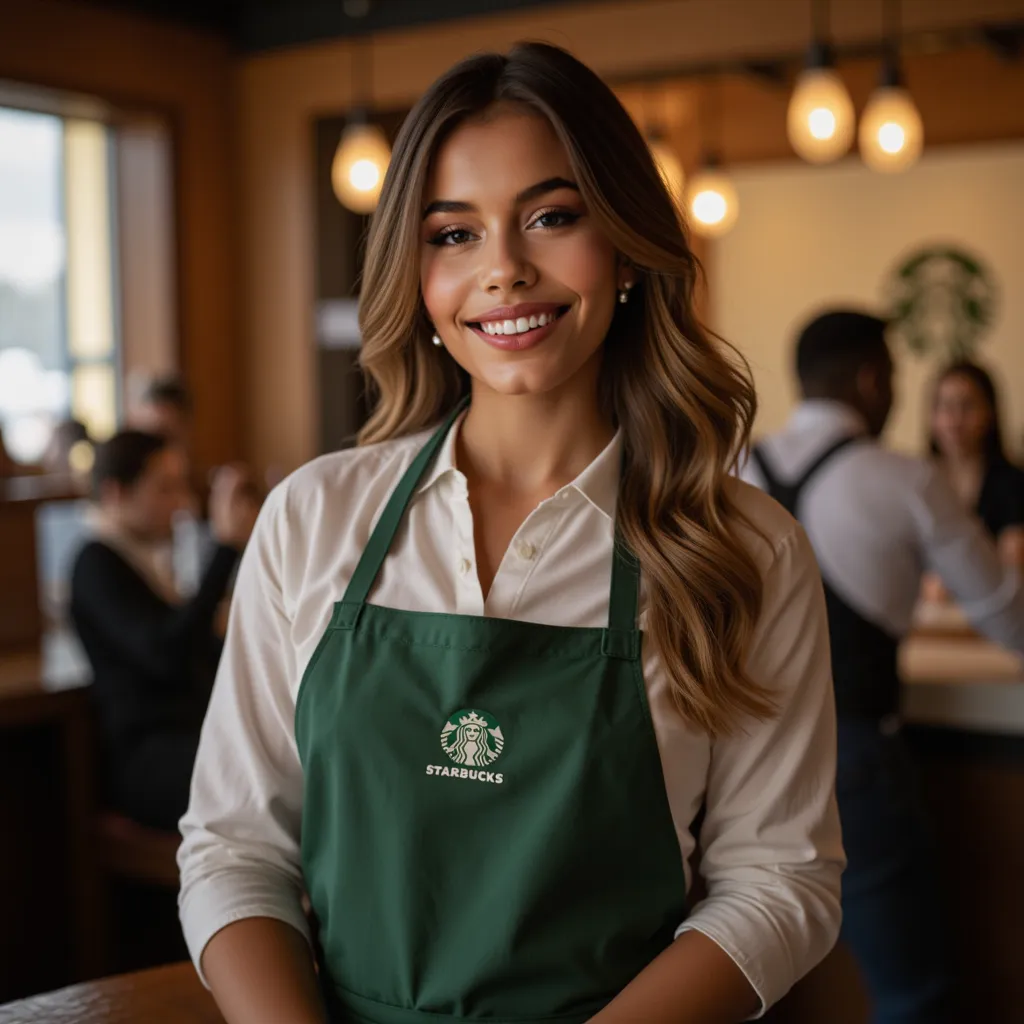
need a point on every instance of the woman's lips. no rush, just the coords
(513, 338)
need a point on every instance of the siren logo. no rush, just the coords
(472, 738)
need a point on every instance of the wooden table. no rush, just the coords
(168, 995)
(48, 899)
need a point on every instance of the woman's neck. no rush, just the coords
(965, 472)
(531, 444)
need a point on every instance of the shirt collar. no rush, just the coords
(826, 414)
(598, 483)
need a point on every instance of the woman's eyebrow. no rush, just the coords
(532, 192)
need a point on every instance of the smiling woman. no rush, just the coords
(572, 600)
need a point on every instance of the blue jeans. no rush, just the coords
(894, 917)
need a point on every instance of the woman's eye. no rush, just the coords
(452, 236)
(554, 219)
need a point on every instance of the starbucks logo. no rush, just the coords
(942, 301)
(472, 738)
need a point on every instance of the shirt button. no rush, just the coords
(526, 550)
(464, 566)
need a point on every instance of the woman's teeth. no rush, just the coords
(520, 326)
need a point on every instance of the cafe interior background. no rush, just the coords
(169, 204)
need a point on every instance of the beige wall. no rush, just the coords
(812, 236)
(280, 94)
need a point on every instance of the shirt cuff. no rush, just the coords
(211, 904)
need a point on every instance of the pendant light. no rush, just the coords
(820, 120)
(712, 204)
(891, 131)
(363, 154)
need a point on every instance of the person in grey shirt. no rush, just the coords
(877, 522)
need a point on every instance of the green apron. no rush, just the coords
(485, 832)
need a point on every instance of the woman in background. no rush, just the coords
(966, 439)
(153, 655)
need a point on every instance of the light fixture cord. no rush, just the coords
(820, 20)
(892, 30)
(362, 75)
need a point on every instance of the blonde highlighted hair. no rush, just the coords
(682, 397)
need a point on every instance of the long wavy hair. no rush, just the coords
(683, 399)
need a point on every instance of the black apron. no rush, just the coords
(864, 656)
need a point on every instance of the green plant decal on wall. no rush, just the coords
(942, 301)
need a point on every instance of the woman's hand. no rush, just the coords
(234, 506)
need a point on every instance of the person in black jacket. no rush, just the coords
(967, 441)
(153, 655)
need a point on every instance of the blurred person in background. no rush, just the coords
(164, 407)
(966, 440)
(153, 656)
(877, 521)
(69, 450)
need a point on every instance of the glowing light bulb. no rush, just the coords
(712, 203)
(821, 123)
(360, 163)
(820, 120)
(891, 132)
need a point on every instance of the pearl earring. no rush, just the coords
(624, 292)
(437, 340)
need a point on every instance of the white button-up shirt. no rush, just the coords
(772, 853)
(878, 519)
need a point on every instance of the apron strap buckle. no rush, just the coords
(346, 614)
(621, 643)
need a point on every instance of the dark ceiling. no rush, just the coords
(253, 25)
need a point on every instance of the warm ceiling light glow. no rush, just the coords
(712, 203)
(891, 132)
(820, 120)
(669, 167)
(359, 166)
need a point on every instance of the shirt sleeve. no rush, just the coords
(240, 857)
(772, 847)
(956, 546)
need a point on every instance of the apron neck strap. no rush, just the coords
(623, 603)
(383, 534)
(624, 599)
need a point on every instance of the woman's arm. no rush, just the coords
(1011, 547)
(693, 982)
(261, 972)
(241, 874)
(771, 844)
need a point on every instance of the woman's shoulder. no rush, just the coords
(1006, 473)
(764, 527)
(341, 483)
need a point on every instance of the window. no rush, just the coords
(58, 280)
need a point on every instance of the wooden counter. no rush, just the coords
(168, 995)
(962, 682)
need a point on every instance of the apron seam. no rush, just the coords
(308, 671)
(431, 1014)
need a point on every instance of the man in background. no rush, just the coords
(877, 521)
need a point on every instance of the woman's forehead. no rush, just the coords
(496, 157)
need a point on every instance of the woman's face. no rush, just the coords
(516, 277)
(148, 507)
(961, 417)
